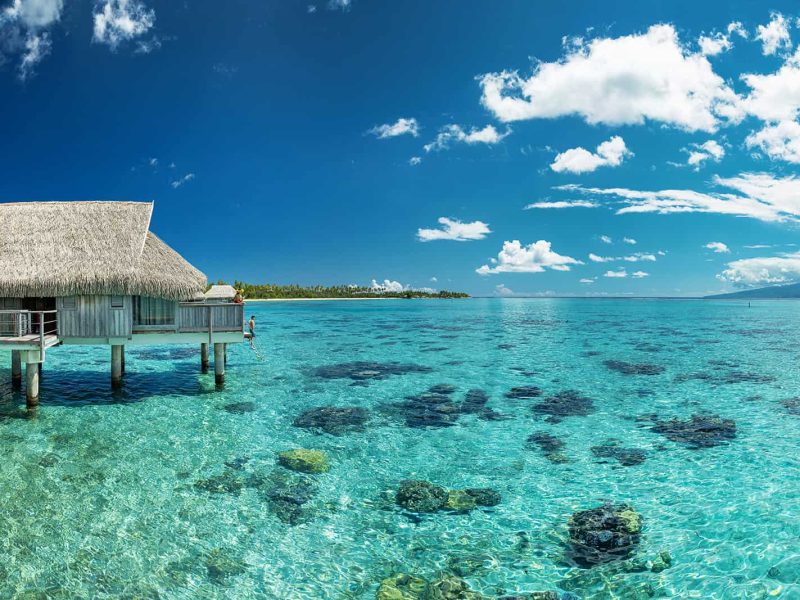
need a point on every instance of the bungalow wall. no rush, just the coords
(94, 316)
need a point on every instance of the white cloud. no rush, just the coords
(455, 133)
(588, 280)
(118, 21)
(630, 241)
(774, 36)
(501, 290)
(606, 240)
(756, 195)
(763, 270)
(533, 258)
(400, 127)
(562, 204)
(717, 247)
(179, 182)
(775, 96)
(579, 160)
(640, 274)
(619, 81)
(616, 274)
(717, 43)
(434, 279)
(638, 257)
(343, 5)
(388, 286)
(778, 141)
(455, 230)
(311, 9)
(23, 32)
(415, 160)
(699, 153)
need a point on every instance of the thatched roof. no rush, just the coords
(221, 292)
(53, 249)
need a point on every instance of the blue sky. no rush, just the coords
(317, 142)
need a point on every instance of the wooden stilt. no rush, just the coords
(32, 383)
(204, 357)
(219, 363)
(16, 369)
(225, 346)
(123, 360)
(116, 365)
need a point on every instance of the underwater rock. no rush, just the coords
(627, 368)
(222, 564)
(237, 463)
(627, 457)
(550, 446)
(474, 401)
(48, 459)
(459, 501)
(421, 496)
(792, 406)
(401, 587)
(485, 496)
(226, 483)
(451, 588)
(489, 414)
(470, 564)
(569, 403)
(286, 495)
(335, 420)
(607, 533)
(524, 392)
(362, 370)
(701, 431)
(746, 377)
(428, 410)
(239, 408)
(786, 571)
(442, 389)
(304, 461)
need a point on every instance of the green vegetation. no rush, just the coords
(265, 291)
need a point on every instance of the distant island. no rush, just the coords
(774, 291)
(268, 291)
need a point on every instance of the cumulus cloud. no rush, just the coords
(455, 230)
(455, 133)
(182, 180)
(774, 36)
(756, 195)
(718, 42)
(627, 80)
(640, 274)
(415, 160)
(562, 204)
(717, 247)
(630, 241)
(619, 274)
(400, 127)
(343, 5)
(606, 240)
(700, 153)
(588, 280)
(579, 160)
(388, 286)
(533, 258)
(24, 32)
(501, 290)
(746, 272)
(778, 141)
(119, 21)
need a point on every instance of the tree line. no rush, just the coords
(270, 291)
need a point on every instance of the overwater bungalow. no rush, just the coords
(94, 273)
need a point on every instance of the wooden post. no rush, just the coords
(219, 363)
(32, 383)
(123, 359)
(16, 369)
(116, 365)
(204, 357)
(225, 346)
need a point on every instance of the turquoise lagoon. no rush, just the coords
(114, 495)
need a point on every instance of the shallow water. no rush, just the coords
(98, 495)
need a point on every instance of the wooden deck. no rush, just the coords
(30, 340)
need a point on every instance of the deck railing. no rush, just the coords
(30, 326)
(193, 317)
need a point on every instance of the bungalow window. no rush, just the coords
(117, 301)
(69, 302)
(153, 311)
